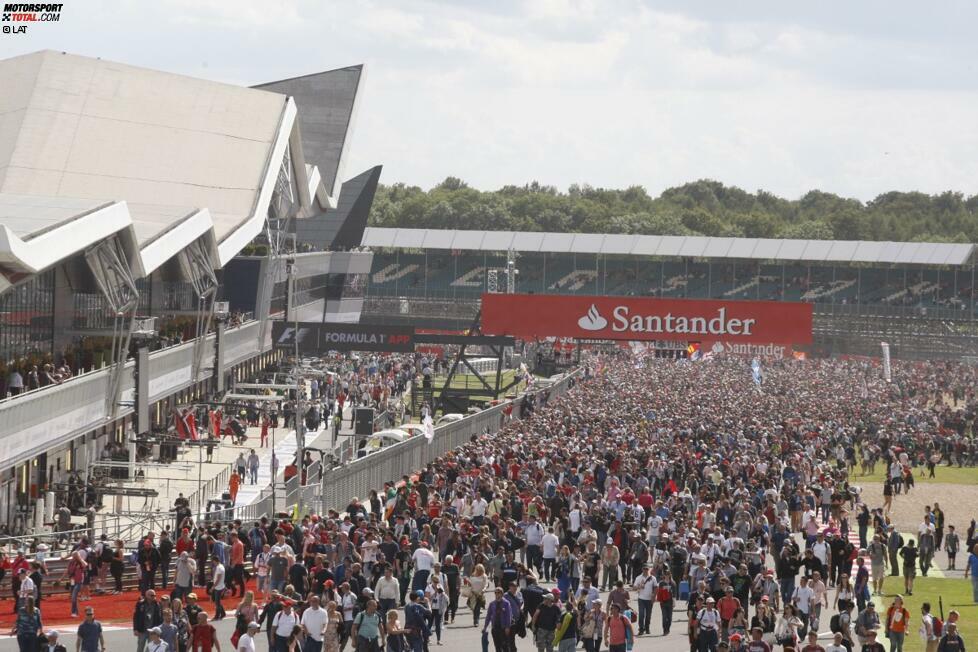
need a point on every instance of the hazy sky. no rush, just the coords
(849, 97)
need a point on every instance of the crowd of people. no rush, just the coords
(670, 485)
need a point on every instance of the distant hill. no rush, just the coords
(702, 207)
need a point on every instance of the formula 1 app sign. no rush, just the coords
(629, 318)
(318, 338)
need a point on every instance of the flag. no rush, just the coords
(184, 421)
(429, 428)
(216, 421)
(755, 368)
(693, 351)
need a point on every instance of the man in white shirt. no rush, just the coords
(927, 634)
(26, 589)
(424, 560)
(247, 641)
(313, 623)
(549, 544)
(654, 526)
(534, 533)
(283, 624)
(388, 592)
(821, 550)
(709, 620)
(646, 585)
(803, 600)
(479, 506)
(574, 519)
(217, 588)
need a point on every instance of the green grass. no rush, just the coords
(470, 381)
(956, 594)
(944, 475)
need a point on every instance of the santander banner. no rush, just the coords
(646, 318)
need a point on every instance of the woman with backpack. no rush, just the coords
(617, 629)
(897, 622)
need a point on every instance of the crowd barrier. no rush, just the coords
(359, 476)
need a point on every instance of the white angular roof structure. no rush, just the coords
(89, 148)
(823, 251)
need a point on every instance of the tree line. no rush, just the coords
(701, 207)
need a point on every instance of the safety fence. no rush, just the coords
(359, 476)
(330, 488)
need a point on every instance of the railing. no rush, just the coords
(213, 487)
(44, 418)
(359, 476)
(878, 310)
(128, 527)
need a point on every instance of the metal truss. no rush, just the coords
(198, 266)
(110, 267)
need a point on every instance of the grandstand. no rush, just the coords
(919, 295)
(143, 209)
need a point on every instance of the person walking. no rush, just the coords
(971, 570)
(565, 638)
(28, 626)
(253, 465)
(147, 615)
(618, 630)
(897, 622)
(217, 587)
(90, 637)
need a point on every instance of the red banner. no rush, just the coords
(632, 318)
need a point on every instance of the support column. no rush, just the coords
(219, 380)
(64, 309)
(143, 425)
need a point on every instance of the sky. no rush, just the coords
(855, 98)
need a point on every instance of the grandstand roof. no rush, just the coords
(170, 158)
(827, 251)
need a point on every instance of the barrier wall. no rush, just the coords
(38, 421)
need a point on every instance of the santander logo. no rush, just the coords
(592, 321)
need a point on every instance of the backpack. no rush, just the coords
(834, 625)
(938, 627)
(106, 555)
(663, 594)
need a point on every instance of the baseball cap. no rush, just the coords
(419, 593)
(253, 625)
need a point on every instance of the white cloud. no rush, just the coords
(610, 92)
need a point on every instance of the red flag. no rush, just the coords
(184, 429)
(216, 419)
